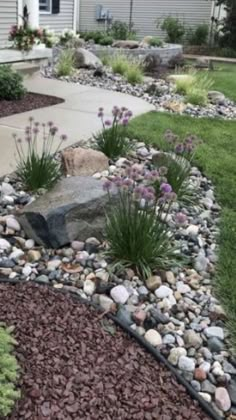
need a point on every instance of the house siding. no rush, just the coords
(59, 21)
(8, 17)
(146, 13)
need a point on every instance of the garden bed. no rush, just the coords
(28, 102)
(77, 364)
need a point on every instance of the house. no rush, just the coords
(145, 13)
(56, 14)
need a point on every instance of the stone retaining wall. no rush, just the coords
(165, 53)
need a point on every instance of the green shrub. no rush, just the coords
(106, 40)
(66, 63)
(11, 84)
(136, 236)
(96, 36)
(119, 64)
(105, 59)
(199, 35)
(155, 41)
(174, 28)
(37, 166)
(9, 372)
(112, 139)
(196, 96)
(121, 31)
(182, 85)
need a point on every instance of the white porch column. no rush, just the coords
(33, 10)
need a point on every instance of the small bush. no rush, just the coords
(134, 74)
(174, 28)
(106, 40)
(119, 64)
(199, 35)
(183, 85)
(9, 372)
(136, 236)
(197, 96)
(155, 41)
(112, 139)
(37, 167)
(66, 63)
(11, 84)
(105, 59)
(120, 31)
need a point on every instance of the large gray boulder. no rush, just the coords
(73, 209)
(86, 59)
(129, 44)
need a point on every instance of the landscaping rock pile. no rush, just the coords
(174, 310)
(160, 93)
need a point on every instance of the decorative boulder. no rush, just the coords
(73, 210)
(83, 162)
(216, 98)
(176, 61)
(126, 44)
(86, 59)
(202, 63)
(188, 78)
(151, 62)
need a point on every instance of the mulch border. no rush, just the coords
(141, 341)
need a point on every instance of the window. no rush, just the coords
(45, 6)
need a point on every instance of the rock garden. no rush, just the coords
(130, 228)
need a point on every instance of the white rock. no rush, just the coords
(4, 244)
(89, 287)
(29, 243)
(214, 332)
(222, 399)
(205, 366)
(53, 265)
(119, 294)
(26, 271)
(186, 363)
(103, 275)
(163, 292)
(8, 199)
(16, 254)
(175, 354)
(105, 302)
(183, 287)
(192, 230)
(7, 189)
(12, 223)
(13, 275)
(153, 337)
(205, 396)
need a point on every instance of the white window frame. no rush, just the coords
(46, 12)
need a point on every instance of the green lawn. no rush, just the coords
(217, 159)
(224, 76)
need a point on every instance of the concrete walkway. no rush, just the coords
(76, 117)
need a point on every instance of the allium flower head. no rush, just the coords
(107, 185)
(180, 218)
(179, 148)
(63, 137)
(125, 122)
(165, 188)
(108, 123)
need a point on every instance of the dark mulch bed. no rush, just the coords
(74, 368)
(29, 102)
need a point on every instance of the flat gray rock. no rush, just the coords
(73, 210)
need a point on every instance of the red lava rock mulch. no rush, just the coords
(72, 367)
(29, 102)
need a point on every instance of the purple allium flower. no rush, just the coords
(127, 182)
(35, 130)
(115, 111)
(36, 124)
(118, 181)
(100, 114)
(50, 124)
(125, 122)
(64, 137)
(123, 109)
(165, 188)
(151, 190)
(53, 130)
(179, 148)
(180, 218)
(31, 119)
(19, 140)
(107, 185)
(101, 109)
(108, 123)
(28, 139)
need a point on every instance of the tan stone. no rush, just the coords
(126, 44)
(153, 282)
(34, 255)
(175, 106)
(83, 162)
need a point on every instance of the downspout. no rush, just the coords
(19, 12)
(131, 14)
(76, 20)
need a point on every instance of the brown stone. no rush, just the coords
(175, 106)
(153, 282)
(83, 162)
(126, 44)
(200, 375)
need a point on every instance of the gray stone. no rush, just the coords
(86, 59)
(196, 385)
(214, 332)
(192, 339)
(186, 363)
(151, 62)
(216, 98)
(119, 294)
(42, 279)
(105, 302)
(124, 316)
(163, 292)
(159, 317)
(215, 344)
(175, 354)
(130, 44)
(202, 63)
(4, 244)
(73, 209)
(228, 368)
(232, 391)
(208, 387)
(168, 339)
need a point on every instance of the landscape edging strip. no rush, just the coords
(144, 343)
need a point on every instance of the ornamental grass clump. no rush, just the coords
(66, 63)
(37, 167)
(112, 139)
(119, 64)
(134, 73)
(9, 372)
(136, 231)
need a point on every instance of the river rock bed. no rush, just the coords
(159, 93)
(174, 310)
